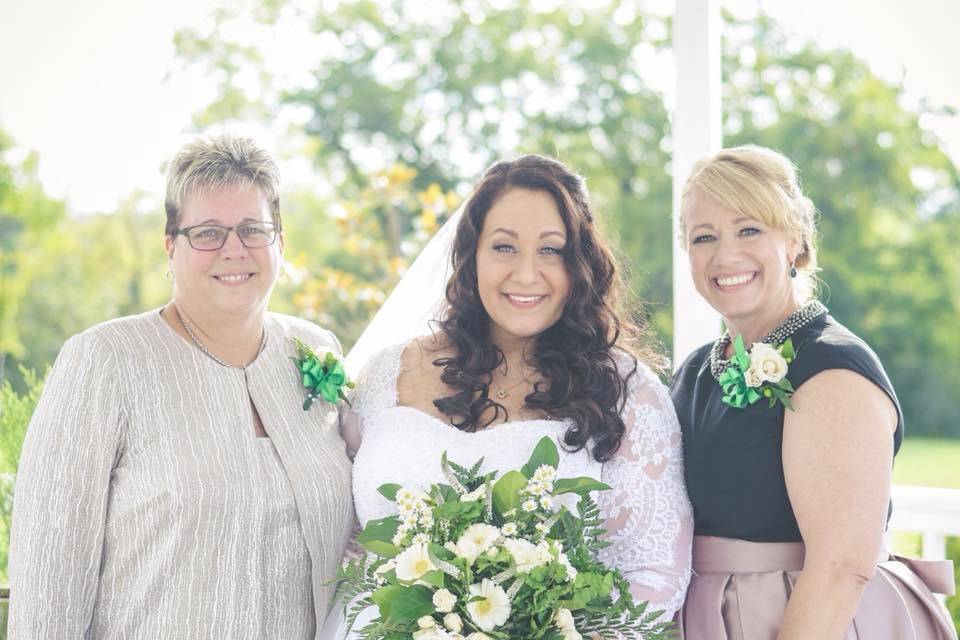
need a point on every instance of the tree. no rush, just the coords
(339, 266)
(27, 216)
(888, 196)
(60, 274)
(447, 91)
(15, 412)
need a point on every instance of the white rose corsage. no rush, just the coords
(760, 372)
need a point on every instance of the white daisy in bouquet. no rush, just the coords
(493, 556)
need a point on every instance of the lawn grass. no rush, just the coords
(928, 462)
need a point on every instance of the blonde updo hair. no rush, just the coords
(763, 184)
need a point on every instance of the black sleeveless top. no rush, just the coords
(733, 457)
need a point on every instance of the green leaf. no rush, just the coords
(785, 385)
(441, 552)
(506, 492)
(740, 356)
(377, 536)
(382, 549)
(435, 578)
(389, 491)
(544, 453)
(458, 511)
(580, 486)
(786, 350)
(399, 604)
(442, 493)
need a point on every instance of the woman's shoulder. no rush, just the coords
(636, 373)
(376, 380)
(119, 335)
(693, 365)
(408, 355)
(393, 355)
(312, 334)
(827, 344)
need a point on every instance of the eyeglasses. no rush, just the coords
(211, 237)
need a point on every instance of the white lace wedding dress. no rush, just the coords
(647, 514)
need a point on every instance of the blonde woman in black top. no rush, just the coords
(790, 504)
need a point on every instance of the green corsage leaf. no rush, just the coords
(322, 377)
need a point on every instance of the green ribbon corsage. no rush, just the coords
(322, 376)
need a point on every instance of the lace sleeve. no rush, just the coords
(647, 514)
(376, 389)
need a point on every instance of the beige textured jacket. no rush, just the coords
(145, 507)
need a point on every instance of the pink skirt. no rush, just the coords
(740, 589)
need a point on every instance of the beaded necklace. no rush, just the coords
(804, 314)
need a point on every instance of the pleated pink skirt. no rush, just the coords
(740, 589)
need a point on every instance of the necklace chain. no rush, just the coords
(203, 347)
(806, 313)
(502, 393)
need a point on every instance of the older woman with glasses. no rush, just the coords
(172, 484)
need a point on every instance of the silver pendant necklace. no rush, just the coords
(203, 347)
(804, 314)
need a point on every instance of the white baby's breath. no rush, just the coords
(545, 473)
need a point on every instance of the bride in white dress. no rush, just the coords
(531, 343)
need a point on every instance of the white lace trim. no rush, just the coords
(377, 383)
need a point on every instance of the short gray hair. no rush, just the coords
(211, 163)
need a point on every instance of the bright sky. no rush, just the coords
(94, 88)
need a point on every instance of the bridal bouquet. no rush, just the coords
(493, 557)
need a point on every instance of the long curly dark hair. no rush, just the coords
(574, 356)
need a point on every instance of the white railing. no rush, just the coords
(932, 512)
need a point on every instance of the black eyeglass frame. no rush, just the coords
(185, 232)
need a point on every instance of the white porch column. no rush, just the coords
(696, 133)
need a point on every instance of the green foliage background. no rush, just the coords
(401, 111)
